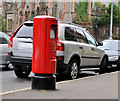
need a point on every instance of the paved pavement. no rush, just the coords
(97, 87)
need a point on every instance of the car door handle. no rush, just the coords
(81, 47)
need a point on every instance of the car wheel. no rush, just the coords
(103, 66)
(10, 66)
(74, 69)
(21, 73)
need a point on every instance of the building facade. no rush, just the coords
(18, 12)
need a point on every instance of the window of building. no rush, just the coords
(38, 11)
(9, 24)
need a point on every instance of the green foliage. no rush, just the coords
(81, 11)
(117, 37)
(116, 14)
(3, 23)
(105, 17)
(98, 8)
(99, 11)
(33, 14)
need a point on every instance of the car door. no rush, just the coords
(4, 49)
(83, 47)
(92, 52)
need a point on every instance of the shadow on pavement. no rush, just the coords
(65, 77)
(81, 75)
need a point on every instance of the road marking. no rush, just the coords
(61, 82)
(10, 92)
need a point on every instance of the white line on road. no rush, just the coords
(10, 92)
(19, 90)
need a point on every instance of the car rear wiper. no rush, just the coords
(24, 37)
(106, 49)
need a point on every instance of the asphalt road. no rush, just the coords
(93, 86)
(10, 82)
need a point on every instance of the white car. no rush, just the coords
(112, 48)
(76, 49)
(4, 58)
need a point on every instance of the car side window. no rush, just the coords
(70, 34)
(3, 40)
(90, 39)
(80, 37)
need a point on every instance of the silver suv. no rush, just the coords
(76, 49)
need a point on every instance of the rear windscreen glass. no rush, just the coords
(26, 31)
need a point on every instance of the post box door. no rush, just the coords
(51, 47)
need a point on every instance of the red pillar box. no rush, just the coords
(45, 35)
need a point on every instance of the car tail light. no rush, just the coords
(60, 46)
(9, 54)
(10, 42)
(60, 58)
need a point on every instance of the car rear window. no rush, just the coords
(111, 45)
(26, 31)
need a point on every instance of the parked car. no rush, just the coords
(76, 49)
(112, 48)
(4, 49)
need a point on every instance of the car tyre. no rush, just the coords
(22, 73)
(9, 66)
(74, 69)
(103, 66)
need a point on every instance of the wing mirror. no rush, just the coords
(100, 43)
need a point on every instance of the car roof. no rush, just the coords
(111, 40)
(28, 22)
(4, 35)
(62, 24)
(71, 25)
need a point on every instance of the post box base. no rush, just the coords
(44, 82)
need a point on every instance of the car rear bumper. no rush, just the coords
(62, 68)
(23, 63)
(117, 63)
(4, 58)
